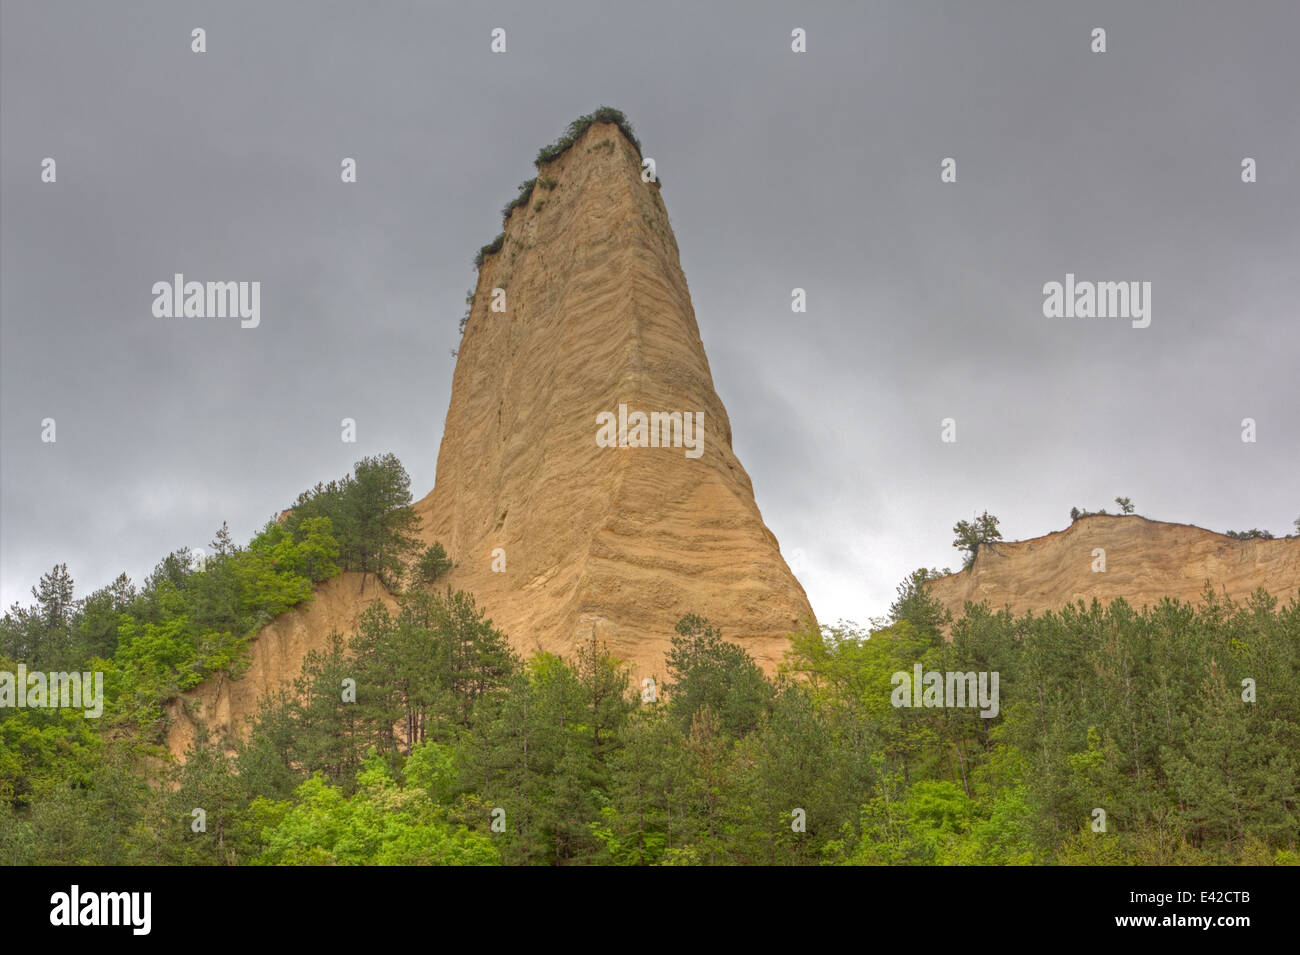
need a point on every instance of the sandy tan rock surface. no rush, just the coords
(620, 542)
(274, 660)
(1145, 561)
(617, 541)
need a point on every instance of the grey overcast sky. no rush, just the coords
(818, 170)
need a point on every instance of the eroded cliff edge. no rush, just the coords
(557, 537)
(1145, 560)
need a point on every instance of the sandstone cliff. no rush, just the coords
(617, 541)
(1145, 560)
(274, 660)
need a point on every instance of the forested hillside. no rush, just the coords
(1168, 735)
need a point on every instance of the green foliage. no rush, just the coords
(43, 633)
(41, 747)
(492, 248)
(401, 743)
(916, 606)
(95, 812)
(708, 672)
(541, 752)
(469, 309)
(190, 620)
(1125, 507)
(382, 823)
(219, 834)
(1142, 714)
(419, 675)
(1253, 534)
(605, 114)
(432, 564)
(381, 519)
(525, 191)
(370, 517)
(314, 729)
(428, 666)
(972, 535)
(432, 767)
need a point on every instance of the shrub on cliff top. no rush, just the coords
(1253, 534)
(525, 190)
(490, 249)
(605, 114)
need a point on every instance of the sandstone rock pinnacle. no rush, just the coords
(557, 536)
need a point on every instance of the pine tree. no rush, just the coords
(379, 504)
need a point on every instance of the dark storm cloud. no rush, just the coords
(817, 170)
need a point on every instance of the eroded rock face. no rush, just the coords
(616, 541)
(1144, 561)
(275, 659)
(619, 541)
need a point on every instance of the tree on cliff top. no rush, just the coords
(370, 513)
(972, 535)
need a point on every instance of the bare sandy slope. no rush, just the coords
(1145, 560)
(275, 660)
